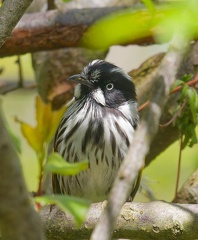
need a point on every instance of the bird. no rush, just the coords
(99, 127)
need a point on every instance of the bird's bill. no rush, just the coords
(79, 78)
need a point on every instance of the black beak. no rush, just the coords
(80, 78)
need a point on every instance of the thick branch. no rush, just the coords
(155, 220)
(55, 29)
(10, 13)
(18, 219)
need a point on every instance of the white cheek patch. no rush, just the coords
(98, 96)
(77, 91)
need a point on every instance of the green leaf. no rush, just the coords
(187, 77)
(57, 164)
(192, 96)
(47, 122)
(33, 137)
(150, 5)
(176, 84)
(184, 92)
(126, 26)
(77, 207)
(120, 28)
(47, 119)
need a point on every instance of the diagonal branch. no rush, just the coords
(145, 133)
(18, 219)
(10, 13)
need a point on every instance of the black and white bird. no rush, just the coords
(98, 126)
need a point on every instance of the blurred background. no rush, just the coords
(159, 176)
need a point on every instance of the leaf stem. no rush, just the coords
(177, 89)
(176, 114)
(179, 166)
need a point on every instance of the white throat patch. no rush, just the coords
(98, 96)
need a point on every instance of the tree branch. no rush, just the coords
(10, 13)
(54, 29)
(144, 135)
(154, 220)
(18, 219)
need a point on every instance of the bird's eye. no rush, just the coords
(109, 86)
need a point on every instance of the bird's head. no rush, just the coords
(105, 83)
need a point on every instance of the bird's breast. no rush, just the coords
(100, 136)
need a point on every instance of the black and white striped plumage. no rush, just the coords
(99, 127)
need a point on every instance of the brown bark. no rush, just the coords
(10, 13)
(55, 29)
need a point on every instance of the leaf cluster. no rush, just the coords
(187, 120)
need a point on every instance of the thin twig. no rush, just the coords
(179, 166)
(189, 83)
(175, 115)
(20, 80)
(143, 106)
(177, 89)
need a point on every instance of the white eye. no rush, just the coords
(109, 86)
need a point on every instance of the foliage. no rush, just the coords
(75, 206)
(56, 164)
(128, 25)
(187, 120)
(39, 138)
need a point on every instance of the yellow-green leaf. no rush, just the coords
(43, 117)
(47, 119)
(118, 28)
(55, 118)
(33, 137)
(77, 207)
(56, 164)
